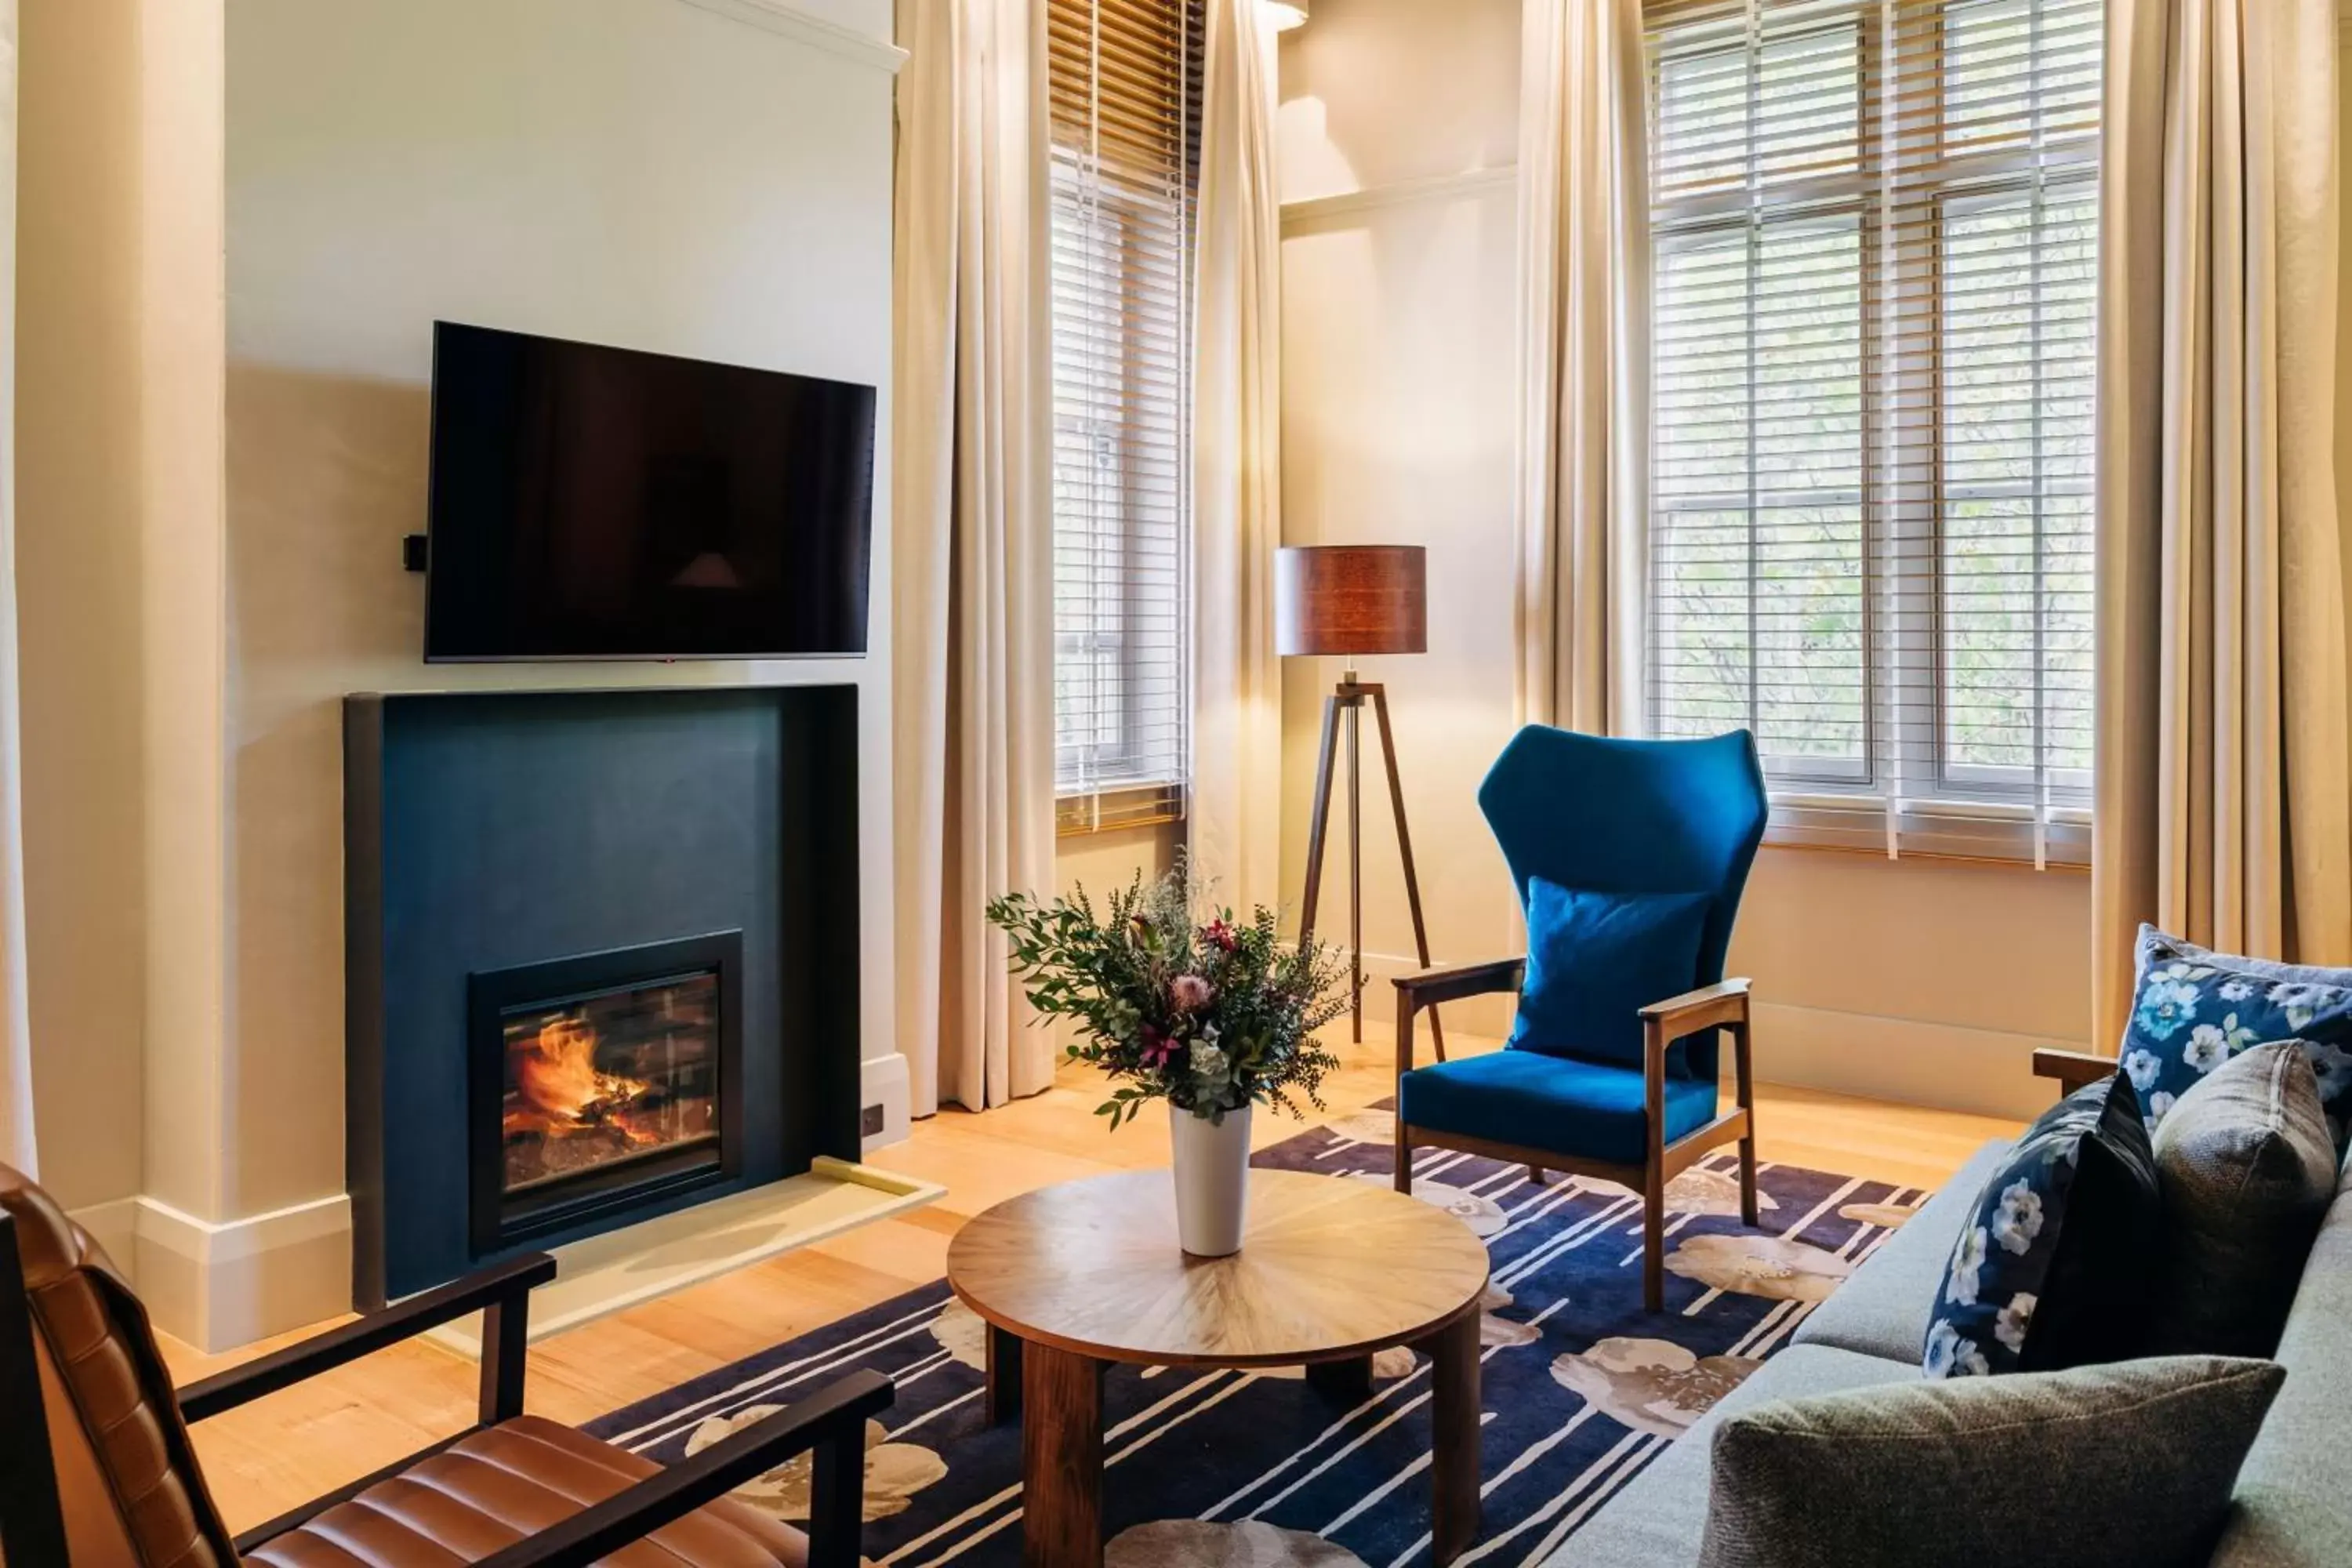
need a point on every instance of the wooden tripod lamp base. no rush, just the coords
(1345, 600)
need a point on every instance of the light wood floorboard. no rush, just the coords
(281, 1452)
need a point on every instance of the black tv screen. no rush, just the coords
(602, 503)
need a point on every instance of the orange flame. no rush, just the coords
(556, 1077)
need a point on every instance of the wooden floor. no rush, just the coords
(286, 1449)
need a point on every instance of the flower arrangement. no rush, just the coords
(1207, 1013)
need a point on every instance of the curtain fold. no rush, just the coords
(15, 1026)
(2223, 812)
(1234, 814)
(1584, 392)
(971, 558)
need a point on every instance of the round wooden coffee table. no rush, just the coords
(1072, 1278)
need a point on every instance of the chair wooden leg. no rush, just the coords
(1744, 1083)
(1747, 1178)
(1536, 1175)
(1653, 1244)
(1403, 1158)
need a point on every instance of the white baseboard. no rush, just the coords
(882, 1080)
(1909, 1060)
(219, 1284)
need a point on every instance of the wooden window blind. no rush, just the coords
(1874, 229)
(1125, 89)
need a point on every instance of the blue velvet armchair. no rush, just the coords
(1607, 1098)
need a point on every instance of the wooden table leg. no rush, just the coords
(1454, 1467)
(1342, 1382)
(1062, 1458)
(1001, 1401)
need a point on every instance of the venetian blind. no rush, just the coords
(1126, 101)
(1875, 226)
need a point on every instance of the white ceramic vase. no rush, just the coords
(1212, 1180)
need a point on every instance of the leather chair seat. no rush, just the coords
(498, 1486)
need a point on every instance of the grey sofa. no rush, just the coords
(2293, 1505)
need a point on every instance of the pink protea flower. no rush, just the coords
(1190, 992)
(1217, 933)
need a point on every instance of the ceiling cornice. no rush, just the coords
(783, 17)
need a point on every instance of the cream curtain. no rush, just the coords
(1236, 810)
(1584, 396)
(2222, 808)
(973, 542)
(16, 1028)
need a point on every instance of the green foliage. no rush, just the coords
(1207, 1012)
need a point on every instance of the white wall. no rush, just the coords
(703, 177)
(1399, 128)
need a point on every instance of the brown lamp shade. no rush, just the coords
(1351, 599)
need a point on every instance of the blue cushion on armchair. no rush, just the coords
(1531, 1101)
(1596, 960)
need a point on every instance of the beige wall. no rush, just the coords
(1103, 863)
(642, 172)
(2344, 304)
(1398, 132)
(242, 218)
(1398, 361)
(78, 508)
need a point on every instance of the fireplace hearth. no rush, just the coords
(600, 1081)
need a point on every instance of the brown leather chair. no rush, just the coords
(116, 1484)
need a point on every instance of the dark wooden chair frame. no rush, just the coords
(1723, 1007)
(832, 1422)
(2073, 1070)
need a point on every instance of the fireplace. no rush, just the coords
(602, 962)
(600, 1081)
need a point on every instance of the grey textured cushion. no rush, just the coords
(2248, 1169)
(1883, 1310)
(2294, 1496)
(2127, 1464)
(1657, 1521)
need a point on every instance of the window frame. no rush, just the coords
(1926, 802)
(1132, 774)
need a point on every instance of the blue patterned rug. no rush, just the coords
(1582, 1388)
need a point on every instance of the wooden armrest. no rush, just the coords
(2073, 1070)
(1725, 1002)
(1428, 987)
(495, 1286)
(831, 1421)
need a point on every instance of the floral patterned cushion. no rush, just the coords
(2194, 1009)
(2055, 1263)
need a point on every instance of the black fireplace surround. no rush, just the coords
(602, 961)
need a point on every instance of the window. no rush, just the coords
(1126, 109)
(1874, 228)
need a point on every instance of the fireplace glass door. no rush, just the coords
(604, 1081)
(601, 1081)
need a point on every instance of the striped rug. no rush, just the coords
(1581, 1387)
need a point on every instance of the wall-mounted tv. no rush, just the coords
(602, 503)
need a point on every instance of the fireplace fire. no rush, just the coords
(610, 1079)
(603, 1083)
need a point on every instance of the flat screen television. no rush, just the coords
(598, 503)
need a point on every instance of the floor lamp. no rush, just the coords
(1345, 600)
